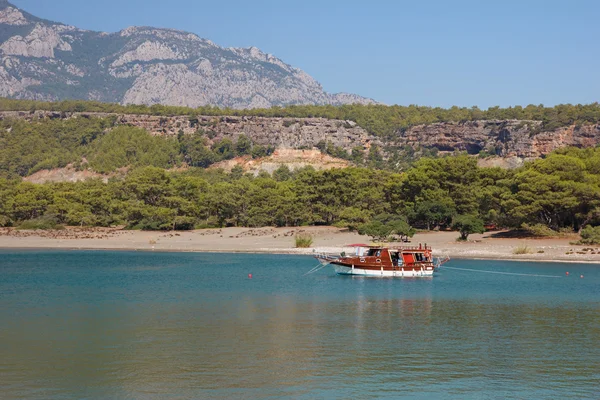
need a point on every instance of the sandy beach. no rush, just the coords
(491, 245)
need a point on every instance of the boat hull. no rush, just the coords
(396, 273)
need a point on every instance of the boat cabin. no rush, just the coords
(391, 257)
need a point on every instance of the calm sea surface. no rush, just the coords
(128, 325)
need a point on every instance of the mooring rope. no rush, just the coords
(501, 273)
(315, 269)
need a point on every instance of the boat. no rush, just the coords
(400, 261)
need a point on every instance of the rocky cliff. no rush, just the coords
(508, 139)
(44, 60)
(505, 138)
(286, 133)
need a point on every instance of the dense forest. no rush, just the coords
(556, 194)
(381, 120)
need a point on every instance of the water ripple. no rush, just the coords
(117, 325)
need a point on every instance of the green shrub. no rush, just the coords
(184, 223)
(303, 240)
(467, 224)
(522, 250)
(539, 230)
(210, 223)
(148, 224)
(566, 231)
(44, 222)
(384, 226)
(590, 235)
(5, 221)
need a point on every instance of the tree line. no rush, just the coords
(558, 193)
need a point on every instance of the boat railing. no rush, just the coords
(441, 261)
(326, 258)
(411, 248)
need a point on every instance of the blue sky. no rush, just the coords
(436, 53)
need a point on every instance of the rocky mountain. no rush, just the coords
(44, 60)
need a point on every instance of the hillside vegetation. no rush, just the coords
(27, 147)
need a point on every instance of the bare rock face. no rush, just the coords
(229, 85)
(339, 99)
(235, 78)
(500, 162)
(285, 133)
(9, 85)
(288, 133)
(67, 174)
(41, 42)
(511, 142)
(145, 65)
(148, 51)
(12, 16)
(505, 138)
(578, 136)
(293, 159)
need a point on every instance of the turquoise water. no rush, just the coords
(129, 325)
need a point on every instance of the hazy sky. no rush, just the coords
(437, 53)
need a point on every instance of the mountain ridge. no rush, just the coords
(46, 60)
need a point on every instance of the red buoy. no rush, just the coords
(249, 276)
(581, 276)
(567, 273)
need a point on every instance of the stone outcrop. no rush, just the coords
(339, 99)
(290, 133)
(505, 138)
(293, 133)
(67, 174)
(39, 43)
(145, 65)
(9, 85)
(12, 16)
(147, 51)
(293, 159)
(511, 140)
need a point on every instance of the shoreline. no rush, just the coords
(488, 246)
(278, 252)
